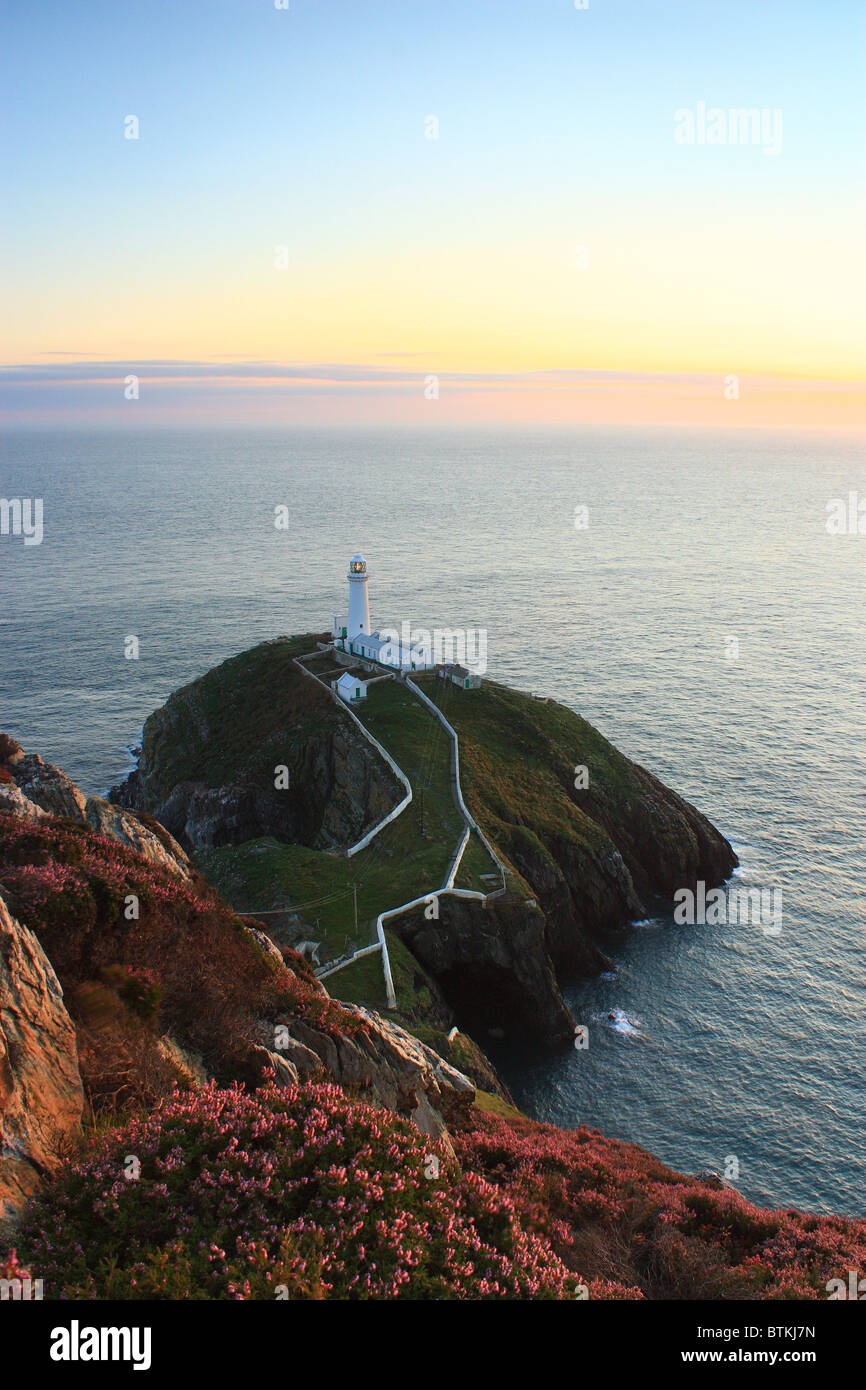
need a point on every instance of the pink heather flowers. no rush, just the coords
(298, 1193)
(581, 1190)
(56, 858)
(11, 1268)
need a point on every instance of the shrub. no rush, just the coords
(139, 989)
(619, 1214)
(298, 1193)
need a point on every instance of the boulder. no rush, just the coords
(11, 751)
(15, 803)
(285, 1072)
(266, 944)
(187, 1066)
(47, 786)
(158, 848)
(306, 1063)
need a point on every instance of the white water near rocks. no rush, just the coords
(724, 1041)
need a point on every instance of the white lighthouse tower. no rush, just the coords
(359, 598)
(353, 635)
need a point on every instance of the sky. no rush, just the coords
(424, 211)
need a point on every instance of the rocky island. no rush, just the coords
(574, 861)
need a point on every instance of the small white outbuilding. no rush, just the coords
(350, 689)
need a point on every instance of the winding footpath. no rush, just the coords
(447, 889)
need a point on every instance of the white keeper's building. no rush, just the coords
(353, 632)
(350, 689)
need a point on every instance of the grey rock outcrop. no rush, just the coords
(186, 1065)
(157, 846)
(41, 1096)
(47, 786)
(38, 790)
(285, 1072)
(266, 944)
(15, 803)
(383, 1061)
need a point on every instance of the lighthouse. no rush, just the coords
(353, 635)
(359, 598)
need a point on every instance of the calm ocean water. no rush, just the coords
(737, 1044)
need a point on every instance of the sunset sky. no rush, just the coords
(409, 257)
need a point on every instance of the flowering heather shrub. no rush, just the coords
(618, 1213)
(240, 1193)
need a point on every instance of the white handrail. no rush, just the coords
(455, 862)
(347, 960)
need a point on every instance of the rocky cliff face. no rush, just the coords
(41, 1095)
(595, 856)
(256, 748)
(493, 966)
(184, 992)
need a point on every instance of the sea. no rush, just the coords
(680, 589)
